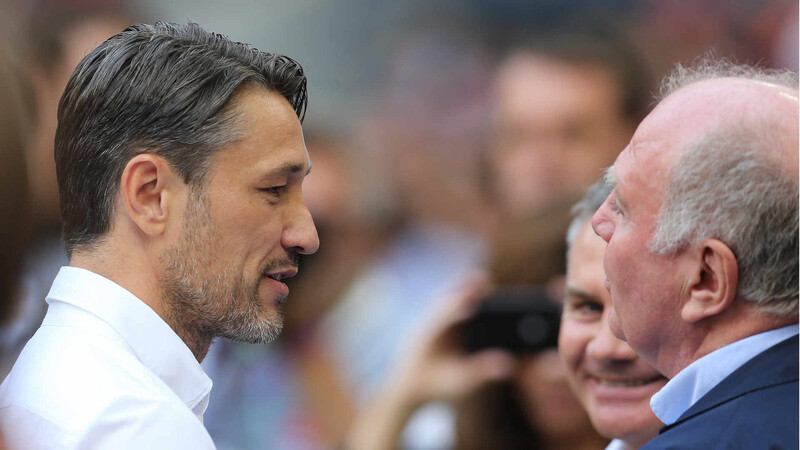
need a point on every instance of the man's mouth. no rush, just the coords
(628, 383)
(281, 274)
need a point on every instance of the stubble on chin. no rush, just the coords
(203, 297)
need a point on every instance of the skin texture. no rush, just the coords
(554, 124)
(600, 368)
(199, 257)
(674, 309)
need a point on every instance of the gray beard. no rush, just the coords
(204, 299)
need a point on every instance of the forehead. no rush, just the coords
(270, 134)
(527, 84)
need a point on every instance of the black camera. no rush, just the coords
(521, 320)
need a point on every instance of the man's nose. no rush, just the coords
(300, 234)
(602, 224)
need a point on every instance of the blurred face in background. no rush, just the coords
(555, 124)
(607, 376)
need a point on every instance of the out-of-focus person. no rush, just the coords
(421, 147)
(607, 376)
(563, 103)
(16, 119)
(496, 400)
(59, 35)
(702, 255)
(180, 161)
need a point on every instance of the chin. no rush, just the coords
(625, 428)
(626, 422)
(254, 324)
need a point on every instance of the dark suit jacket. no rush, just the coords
(755, 407)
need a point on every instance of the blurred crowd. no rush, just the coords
(486, 124)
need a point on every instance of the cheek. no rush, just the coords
(615, 325)
(572, 342)
(619, 260)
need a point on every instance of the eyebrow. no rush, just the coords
(610, 178)
(291, 168)
(573, 292)
(285, 169)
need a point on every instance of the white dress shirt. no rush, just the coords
(617, 444)
(103, 371)
(699, 377)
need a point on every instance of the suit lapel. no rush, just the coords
(776, 365)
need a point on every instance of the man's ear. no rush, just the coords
(712, 287)
(146, 188)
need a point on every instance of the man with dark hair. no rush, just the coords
(702, 255)
(180, 160)
(564, 101)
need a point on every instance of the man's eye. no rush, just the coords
(591, 307)
(615, 206)
(275, 190)
(586, 308)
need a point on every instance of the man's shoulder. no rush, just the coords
(125, 422)
(70, 378)
(754, 407)
(765, 418)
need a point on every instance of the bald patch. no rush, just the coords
(768, 109)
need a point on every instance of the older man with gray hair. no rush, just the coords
(702, 255)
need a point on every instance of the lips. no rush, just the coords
(628, 383)
(276, 277)
(611, 390)
(282, 274)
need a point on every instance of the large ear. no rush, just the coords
(712, 288)
(146, 187)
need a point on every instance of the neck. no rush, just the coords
(198, 340)
(635, 441)
(141, 280)
(743, 321)
(586, 439)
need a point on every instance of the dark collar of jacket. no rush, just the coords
(775, 366)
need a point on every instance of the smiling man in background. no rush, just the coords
(180, 159)
(612, 383)
(702, 255)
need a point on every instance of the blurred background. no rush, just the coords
(446, 136)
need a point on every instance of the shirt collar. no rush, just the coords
(699, 377)
(617, 444)
(149, 337)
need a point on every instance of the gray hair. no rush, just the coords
(723, 188)
(585, 209)
(165, 89)
(710, 68)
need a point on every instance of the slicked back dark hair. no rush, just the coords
(165, 89)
